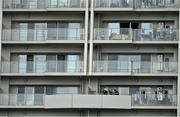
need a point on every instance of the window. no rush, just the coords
(39, 94)
(40, 29)
(74, 31)
(146, 63)
(72, 63)
(23, 35)
(50, 90)
(51, 63)
(67, 90)
(22, 63)
(61, 63)
(63, 3)
(25, 96)
(32, 3)
(40, 65)
(146, 31)
(54, 3)
(114, 28)
(74, 3)
(52, 31)
(54, 90)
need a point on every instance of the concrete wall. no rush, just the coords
(88, 101)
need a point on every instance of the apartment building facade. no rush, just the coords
(88, 58)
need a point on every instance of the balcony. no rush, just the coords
(111, 68)
(156, 36)
(44, 68)
(154, 100)
(139, 36)
(156, 4)
(154, 68)
(134, 68)
(113, 5)
(40, 36)
(21, 100)
(94, 101)
(43, 5)
(113, 35)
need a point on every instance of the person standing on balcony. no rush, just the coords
(166, 99)
(105, 91)
(116, 92)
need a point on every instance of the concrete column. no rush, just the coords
(178, 80)
(91, 38)
(1, 18)
(86, 37)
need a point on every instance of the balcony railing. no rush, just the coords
(42, 4)
(114, 3)
(42, 67)
(163, 34)
(155, 4)
(21, 99)
(112, 34)
(134, 67)
(156, 34)
(112, 66)
(43, 34)
(154, 100)
(154, 67)
(80, 100)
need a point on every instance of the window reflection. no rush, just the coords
(72, 63)
(40, 65)
(22, 63)
(40, 31)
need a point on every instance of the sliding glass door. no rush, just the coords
(40, 63)
(112, 63)
(72, 63)
(25, 96)
(40, 29)
(51, 63)
(29, 96)
(74, 31)
(146, 31)
(22, 63)
(114, 29)
(23, 31)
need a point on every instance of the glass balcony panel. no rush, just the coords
(40, 63)
(42, 34)
(39, 4)
(154, 100)
(113, 3)
(51, 63)
(155, 4)
(135, 67)
(155, 67)
(112, 66)
(155, 34)
(112, 34)
(24, 99)
(137, 99)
